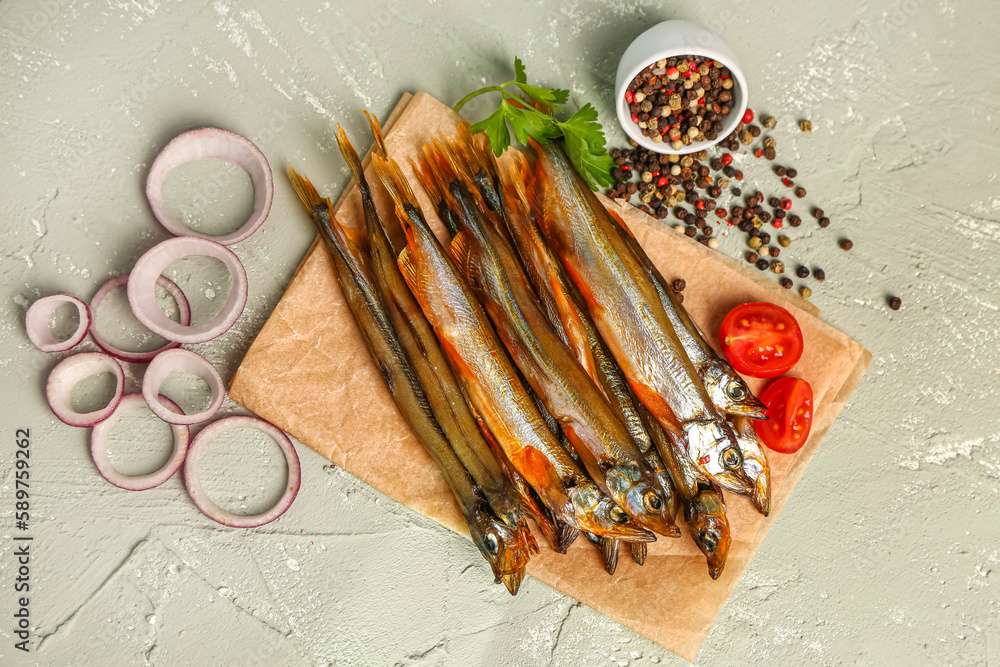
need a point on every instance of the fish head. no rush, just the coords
(755, 465)
(730, 393)
(715, 451)
(709, 527)
(599, 514)
(506, 549)
(642, 497)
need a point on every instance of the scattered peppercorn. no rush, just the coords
(777, 266)
(818, 213)
(691, 231)
(792, 172)
(679, 284)
(819, 274)
(824, 222)
(680, 298)
(752, 257)
(786, 283)
(775, 251)
(802, 272)
(780, 171)
(846, 244)
(800, 192)
(769, 122)
(806, 125)
(895, 302)
(805, 292)
(784, 241)
(762, 264)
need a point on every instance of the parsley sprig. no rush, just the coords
(581, 133)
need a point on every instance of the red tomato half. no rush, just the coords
(761, 340)
(789, 404)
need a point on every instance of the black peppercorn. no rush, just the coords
(679, 284)
(691, 231)
(846, 244)
(802, 272)
(765, 238)
(895, 302)
(762, 264)
(752, 257)
(786, 283)
(794, 220)
(780, 171)
(792, 173)
(824, 222)
(818, 213)
(819, 274)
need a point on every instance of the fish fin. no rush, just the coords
(376, 127)
(405, 262)
(350, 156)
(460, 252)
(639, 552)
(567, 536)
(610, 550)
(306, 192)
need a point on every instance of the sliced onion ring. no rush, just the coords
(36, 322)
(99, 449)
(192, 477)
(184, 317)
(71, 370)
(212, 142)
(142, 289)
(166, 364)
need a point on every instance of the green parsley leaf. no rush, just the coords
(495, 127)
(545, 96)
(529, 123)
(519, 75)
(585, 146)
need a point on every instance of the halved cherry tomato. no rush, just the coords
(789, 404)
(760, 339)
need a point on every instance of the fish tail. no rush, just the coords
(407, 207)
(307, 192)
(436, 175)
(350, 155)
(377, 132)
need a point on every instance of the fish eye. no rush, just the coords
(492, 544)
(736, 390)
(618, 515)
(732, 457)
(652, 501)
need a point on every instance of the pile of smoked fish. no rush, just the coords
(540, 359)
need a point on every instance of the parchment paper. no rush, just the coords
(308, 372)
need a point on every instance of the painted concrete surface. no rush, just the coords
(886, 553)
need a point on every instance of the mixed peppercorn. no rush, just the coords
(681, 100)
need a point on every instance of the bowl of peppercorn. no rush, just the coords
(679, 88)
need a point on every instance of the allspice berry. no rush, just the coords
(679, 284)
(846, 244)
(786, 283)
(895, 302)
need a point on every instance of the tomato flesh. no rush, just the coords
(761, 340)
(789, 404)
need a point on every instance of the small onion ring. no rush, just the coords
(71, 370)
(180, 360)
(183, 308)
(212, 142)
(192, 478)
(36, 322)
(99, 449)
(142, 286)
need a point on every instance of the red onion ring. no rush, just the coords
(184, 311)
(166, 364)
(192, 479)
(142, 294)
(71, 370)
(36, 322)
(99, 449)
(212, 142)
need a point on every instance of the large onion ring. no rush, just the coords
(36, 322)
(184, 317)
(142, 289)
(71, 370)
(99, 449)
(212, 142)
(180, 361)
(192, 480)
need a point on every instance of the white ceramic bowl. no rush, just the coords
(666, 40)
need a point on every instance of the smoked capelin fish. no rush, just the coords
(628, 314)
(504, 547)
(490, 381)
(443, 390)
(491, 268)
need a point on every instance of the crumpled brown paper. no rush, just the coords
(308, 372)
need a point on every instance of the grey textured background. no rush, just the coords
(887, 552)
